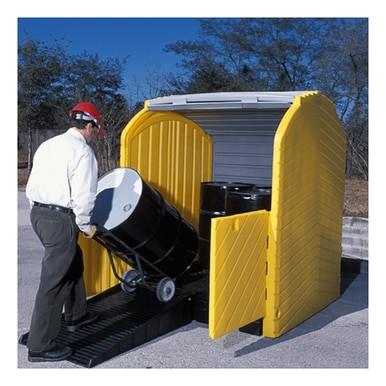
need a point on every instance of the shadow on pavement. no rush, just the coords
(316, 322)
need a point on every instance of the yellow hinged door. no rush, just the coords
(237, 271)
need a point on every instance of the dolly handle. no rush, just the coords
(100, 229)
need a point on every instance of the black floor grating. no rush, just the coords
(125, 321)
(129, 320)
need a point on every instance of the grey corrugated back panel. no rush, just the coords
(242, 143)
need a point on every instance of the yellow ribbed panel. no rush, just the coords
(303, 259)
(237, 271)
(97, 273)
(171, 153)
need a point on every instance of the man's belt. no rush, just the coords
(53, 207)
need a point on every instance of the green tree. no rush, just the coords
(39, 88)
(279, 54)
(251, 54)
(51, 81)
(342, 74)
(209, 76)
(88, 77)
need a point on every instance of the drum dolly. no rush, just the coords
(163, 286)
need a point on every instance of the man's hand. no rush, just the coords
(91, 232)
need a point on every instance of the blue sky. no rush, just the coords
(141, 39)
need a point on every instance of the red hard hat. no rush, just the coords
(90, 111)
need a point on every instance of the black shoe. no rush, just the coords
(54, 355)
(74, 325)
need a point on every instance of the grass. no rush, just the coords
(356, 198)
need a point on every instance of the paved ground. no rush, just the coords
(337, 337)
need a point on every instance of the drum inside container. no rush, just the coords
(118, 194)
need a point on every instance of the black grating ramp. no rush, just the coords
(125, 321)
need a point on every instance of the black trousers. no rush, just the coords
(61, 280)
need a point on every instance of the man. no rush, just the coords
(62, 190)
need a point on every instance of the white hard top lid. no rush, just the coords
(225, 100)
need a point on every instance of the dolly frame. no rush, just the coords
(143, 278)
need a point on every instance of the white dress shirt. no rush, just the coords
(65, 173)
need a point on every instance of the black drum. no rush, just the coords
(248, 200)
(204, 252)
(205, 222)
(212, 205)
(212, 194)
(138, 215)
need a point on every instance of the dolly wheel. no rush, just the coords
(129, 276)
(165, 289)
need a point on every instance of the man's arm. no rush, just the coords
(83, 190)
